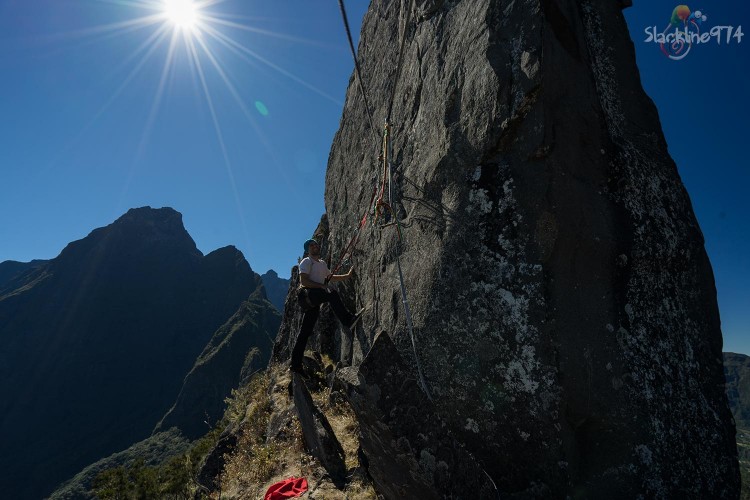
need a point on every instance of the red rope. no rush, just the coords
(353, 241)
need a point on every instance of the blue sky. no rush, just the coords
(80, 148)
(703, 108)
(92, 124)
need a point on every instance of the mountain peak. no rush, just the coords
(122, 313)
(164, 218)
(163, 215)
(143, 231)
(276, 288)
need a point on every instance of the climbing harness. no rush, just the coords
(303, 299)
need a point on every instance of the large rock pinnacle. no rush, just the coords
(564, 306)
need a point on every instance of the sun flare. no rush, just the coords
(209, 41)
(182, 13)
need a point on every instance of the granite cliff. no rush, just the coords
(563, 304)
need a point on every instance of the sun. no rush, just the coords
(184, 14)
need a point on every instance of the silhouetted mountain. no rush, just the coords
(737, 373)
(11, 270)
(276, 288)
(239, 348)
(151, 451)
(96, 342)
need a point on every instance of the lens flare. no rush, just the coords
(262, 109)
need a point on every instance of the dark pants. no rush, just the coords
(311, 304)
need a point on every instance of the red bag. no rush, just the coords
(288, 488)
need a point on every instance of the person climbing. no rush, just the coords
(314, 277)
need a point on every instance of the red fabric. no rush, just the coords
(288, 488)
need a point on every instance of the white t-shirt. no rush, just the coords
(317, 271)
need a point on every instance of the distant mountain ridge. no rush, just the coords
(11, 269)
(276, 288)
(97, 341)
(240, 347)
(737, 373)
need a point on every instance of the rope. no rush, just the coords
(407, 311)
(400, 61)
(410, 326)
(356, 65)
(380, 205)
(353, 241)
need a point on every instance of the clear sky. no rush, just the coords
(96, 121)
(232, 126)
(703, 107)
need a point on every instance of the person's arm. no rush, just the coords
(306, 282)
(340, 277)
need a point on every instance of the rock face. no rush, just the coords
(96, 343)
(410, 451)
(564, 307)
(737, 372)
(320, 440)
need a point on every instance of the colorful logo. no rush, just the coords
(684, 31)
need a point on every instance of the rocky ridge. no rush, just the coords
(97, 341)
(238, 349)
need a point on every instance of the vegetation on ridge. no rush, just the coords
(271, 444)
(268, 447)
(176, 478)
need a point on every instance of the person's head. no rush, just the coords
(312, 248)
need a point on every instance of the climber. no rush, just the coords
(313, 291)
